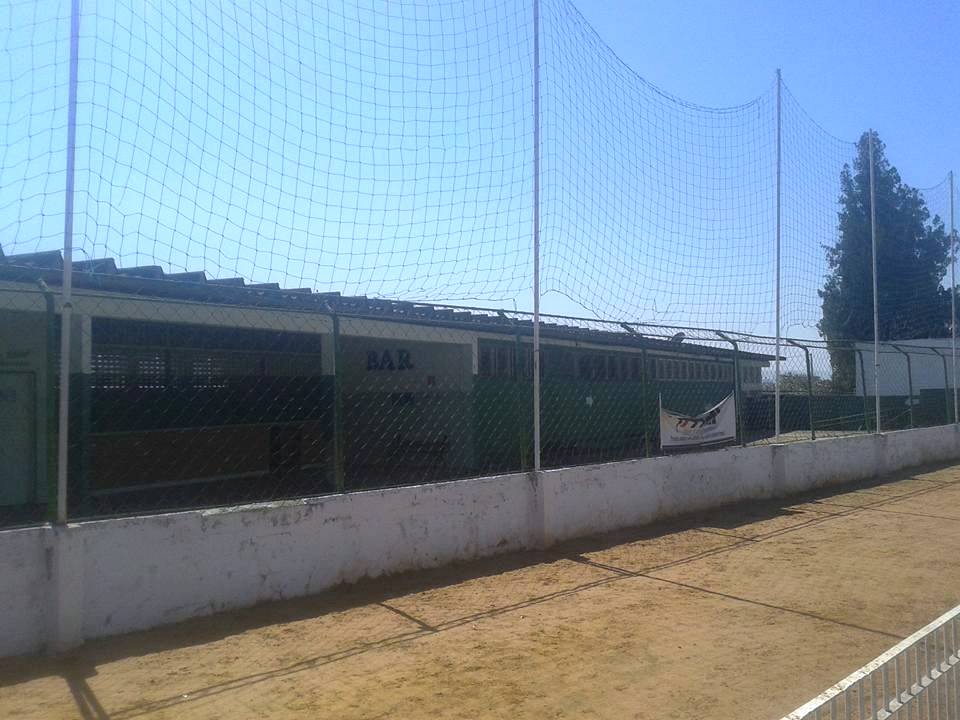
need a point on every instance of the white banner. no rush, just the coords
(718, 424)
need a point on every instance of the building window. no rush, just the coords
(617, 367)
(498, 361)
(204, 373)
(598, 368)
(486, 362)
(612, 368)
(151, 371)
(503, 362)
(583, 368)
(109, 370)
(153, 356)
(557, 363)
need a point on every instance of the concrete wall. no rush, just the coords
(580, 501)
(26, 584)
(64, 585)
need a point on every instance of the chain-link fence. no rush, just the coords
(187, 392)
(186, 197)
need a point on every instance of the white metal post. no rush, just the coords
(63, 428)
(776, 389)
(876, 307)
(536, 235)
(953, 296)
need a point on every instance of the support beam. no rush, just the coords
(63, 426)
(644, 415)
(946, 384)
(776, 390)
(536, 235)
(736, 386)
(876, 302)
(339, 474)
(909, 380)
(806, 352)
(863, 378)
(953, 297)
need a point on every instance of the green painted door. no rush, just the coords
(18, 424)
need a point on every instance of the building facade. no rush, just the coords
(186, 390)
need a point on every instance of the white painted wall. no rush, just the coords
(580, 501)
(148, 571)
(25, 580)
(63, 585)
(118, 575)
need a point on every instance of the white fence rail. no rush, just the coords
(916, 679)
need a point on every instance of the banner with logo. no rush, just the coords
(716, 425)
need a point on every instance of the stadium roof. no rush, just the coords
(104, 275)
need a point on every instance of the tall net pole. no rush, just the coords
(63, 428)
(536, 235)
(953, 296)
(776, 390)
(876, 306)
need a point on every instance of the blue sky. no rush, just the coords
(890, 65)
(847, 67)
(384, 147)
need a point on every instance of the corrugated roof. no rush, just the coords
(152, 281)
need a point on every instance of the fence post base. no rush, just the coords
(539, 530)
(65, 565)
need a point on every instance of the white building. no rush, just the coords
(931, 366)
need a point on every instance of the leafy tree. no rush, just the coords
(913, 255)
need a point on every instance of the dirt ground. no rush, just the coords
(742, 613)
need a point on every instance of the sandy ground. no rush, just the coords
(742, 613)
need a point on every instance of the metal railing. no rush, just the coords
(915, 679)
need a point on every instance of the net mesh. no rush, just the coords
(247, 173)
(927, 295)
(387, 151)
(34, 71)
(812, 163)
(381, 149)
(653, 209)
